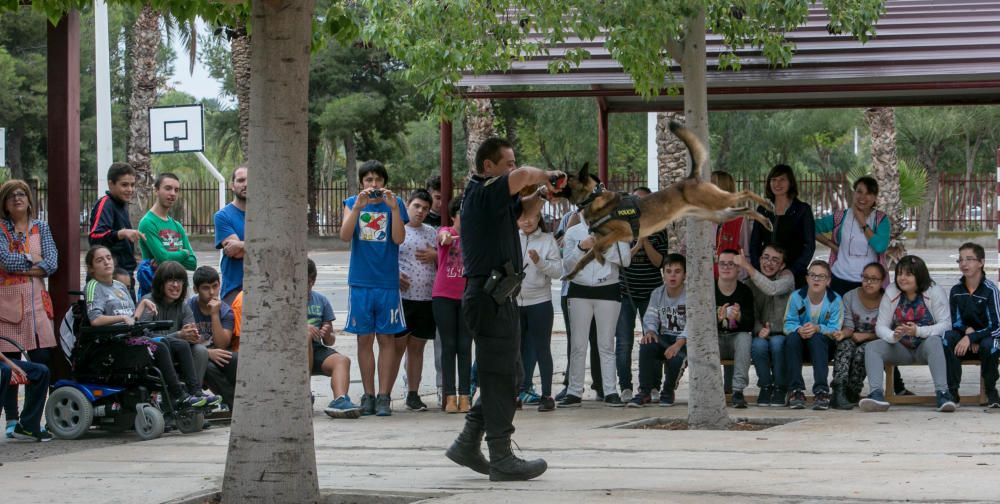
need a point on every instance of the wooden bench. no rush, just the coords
(890, 393)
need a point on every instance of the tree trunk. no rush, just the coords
(924, 221)
(313, 184)
(145, 45)
(882, 123)
(268, 462)
(478, 124)
(351, 164)
(239, 46)
(15, 137)
(672, 160)
(707, 402)
(971, 149)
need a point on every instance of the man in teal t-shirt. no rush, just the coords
(164, 239)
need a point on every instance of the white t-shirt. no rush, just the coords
(855, 253)
(421, 274)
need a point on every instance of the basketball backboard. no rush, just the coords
(176, 129)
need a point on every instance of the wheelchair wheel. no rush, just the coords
(68, 413)
(190, 422)
(149, 424)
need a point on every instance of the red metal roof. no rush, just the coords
(925, 52)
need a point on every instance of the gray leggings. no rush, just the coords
(878, 353)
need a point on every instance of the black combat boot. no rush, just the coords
(466, 451)
(505, 466)
(840, 399)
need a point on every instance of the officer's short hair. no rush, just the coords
(119, 170)
(491, 149)
(373, 166)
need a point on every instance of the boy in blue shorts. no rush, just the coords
(373, 223)
(323, 359)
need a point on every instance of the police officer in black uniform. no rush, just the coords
(491, 252)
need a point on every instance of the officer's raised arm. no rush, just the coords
(528, 175)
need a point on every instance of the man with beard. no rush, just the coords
(229, 236)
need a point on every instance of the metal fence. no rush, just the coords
(962, 204)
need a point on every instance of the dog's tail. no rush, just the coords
(699, 153)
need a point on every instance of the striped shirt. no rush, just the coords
(642, 277)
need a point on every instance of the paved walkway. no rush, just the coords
(908, 454)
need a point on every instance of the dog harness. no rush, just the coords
(627, 210)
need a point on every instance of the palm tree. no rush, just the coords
(885, 166)
(478, 123)
(144, 78)
(239, 45)
(672, 158)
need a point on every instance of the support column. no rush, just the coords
(446, 182)
(63, 57)
(602, 140)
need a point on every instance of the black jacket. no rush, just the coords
(107, 218)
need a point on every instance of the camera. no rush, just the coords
(375, 194)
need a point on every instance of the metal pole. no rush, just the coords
(652, 155)
(446, 168)
(215, 174)
(997, 212)
(63, 61)
(103, 85)
(602, 144)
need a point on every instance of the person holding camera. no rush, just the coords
(373, 224)
(491, 253)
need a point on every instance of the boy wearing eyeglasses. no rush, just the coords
(735, 315)
(975, 323)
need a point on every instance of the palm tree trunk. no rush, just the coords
(478, 124)
(15, 136)
(882, 123)
(672, 158)
(265, 463)
(239, 45)
(145, 81)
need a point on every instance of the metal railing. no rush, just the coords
(962, 204)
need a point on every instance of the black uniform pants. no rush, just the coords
(496, 329)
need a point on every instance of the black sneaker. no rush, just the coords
(764, 398)
(779, 397)
(822, 401)
(992, 398)
(570, 401)
(797, 400)
(954, 396)
(600, 394)
(640, 399)
(546, 403)
(413, 402)
(666, 397)
(613, 400)
(24, 434)
(367, 405)
(383, 405)
(562, 394)
(739, 402)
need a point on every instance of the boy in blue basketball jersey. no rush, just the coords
(373, 223)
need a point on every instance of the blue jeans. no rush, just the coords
(35, 391)
(768, 356)
(625, 338)
(820, 348)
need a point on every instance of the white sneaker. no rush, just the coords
(626, 395)
(654, 396)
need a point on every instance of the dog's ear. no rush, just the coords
(584, 173)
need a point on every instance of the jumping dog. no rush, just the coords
(613, 217)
